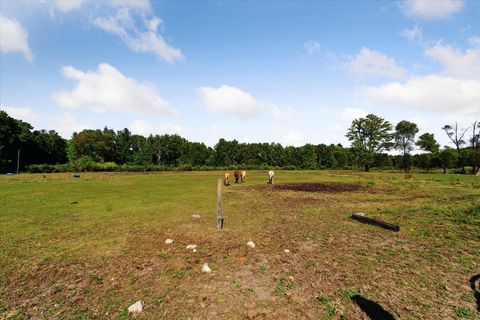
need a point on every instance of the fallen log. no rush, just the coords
(362, 218)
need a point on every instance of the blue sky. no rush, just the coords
(290, 72)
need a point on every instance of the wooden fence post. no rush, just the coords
(219, 205)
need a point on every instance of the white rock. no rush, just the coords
(136, 307)
(250, 244)
(195, 216)
(360, 214)
(191, 247)
(194, 250)
(286, 251)
(168, 241)
(206, 268)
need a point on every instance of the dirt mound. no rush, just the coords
(320, 187)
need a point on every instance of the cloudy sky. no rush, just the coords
(289, 72)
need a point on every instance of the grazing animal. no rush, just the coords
(244, 174)
(271, 174)
(226, 179)
(238, 175)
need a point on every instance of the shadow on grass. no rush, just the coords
(372, 309)
(475, 285)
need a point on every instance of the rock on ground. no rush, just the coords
(191, 247)
(206, 268)
(250, 244)
(195, 216)
(136, 307)
(168, 241)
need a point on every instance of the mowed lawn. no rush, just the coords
(88, 248)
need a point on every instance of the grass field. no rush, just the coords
(88, 248)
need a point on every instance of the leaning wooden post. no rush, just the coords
(219, 205)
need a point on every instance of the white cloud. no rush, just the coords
(475, 41)
(107, 89)
(430, 9)
(311, 46)
(373, 63)
(148, 41)
(432, 92)
(145, 129)
(140, 5)
(25, 114)
(293, 137)
(283, 115)
(350, 114)
(457, 63)
(67, 5)
(14, 38)
(66, 124)
(229, 100)
(414, 34)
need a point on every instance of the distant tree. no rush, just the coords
(122, 146)
(97, 144)
(307, 156)
(20, 146)
(427, 143)
(456, 135)
(448, 158)
(475, 142)
(141, 150)
(383, 160)
(196, 154)
(277, 155)
(226, 152)
(324, 156)
(404, 136)
(10, 132)
(168, 149)
(369, 136)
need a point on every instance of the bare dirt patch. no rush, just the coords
(321, 187)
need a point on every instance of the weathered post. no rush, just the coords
(18, 160)
(219, 205)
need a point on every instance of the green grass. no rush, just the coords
(88, 248)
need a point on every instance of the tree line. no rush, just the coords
(372, 138)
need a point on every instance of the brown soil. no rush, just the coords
(320, 187)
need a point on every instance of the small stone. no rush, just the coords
(286, 251)
(250, 244)
(194, 250)
(195, 216)
(168, 241)
(136, 307)
(206, 268)
(191, 247)
(360, 214)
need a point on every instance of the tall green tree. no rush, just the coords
(404, 136)
(448, 158)
(97, 144)
(369, 136)
(475, 142)
(456, 136)
(427, 143)
(122, 146)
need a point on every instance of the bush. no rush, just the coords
(40, 168)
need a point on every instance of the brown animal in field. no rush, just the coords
(271, 174)
(226, 179)
(244, 174)
(238, 175)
